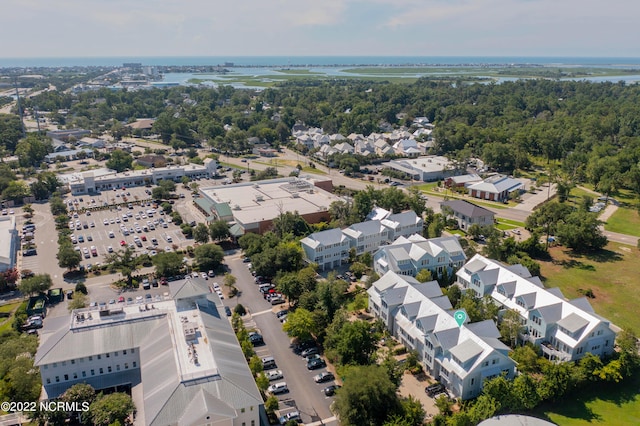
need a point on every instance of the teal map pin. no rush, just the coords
(460, 317)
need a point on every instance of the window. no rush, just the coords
(90, 358)
(133, 351)
(107, 355)
(99, 356)
(66, 377)
(73, 361)
(473, 381)
(117, 367)
(126, 365)
(124, 352)
(109, 369)
(48, 381)
(606, 343)
(485, 364)
(116, 353)
(57, 379)
(46, 367)
(84, 374)
(134, 364)
(101, 370)
(93, 372)
(64, 363)
(242, 410)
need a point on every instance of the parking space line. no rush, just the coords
(261, 312)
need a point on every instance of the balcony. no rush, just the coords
(553, 353)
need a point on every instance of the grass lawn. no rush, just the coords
(513, 223)
(607, 404)
(7, 323)
(624, 221)
(611, 274)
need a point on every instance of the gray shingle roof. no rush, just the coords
(466, 350)
(573, 322)
(466, 208)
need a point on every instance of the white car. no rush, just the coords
(105, 222)
(274, 375)
(111, 234)
(277, 388)
(168, 249)
(204, 275)
(110, 249)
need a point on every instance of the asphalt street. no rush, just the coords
(304, 393)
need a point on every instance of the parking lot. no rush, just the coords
(137, 223)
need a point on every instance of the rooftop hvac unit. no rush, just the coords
(295, 195)
(255, 185)
(310, 191)
(236, 207)
(259, 198)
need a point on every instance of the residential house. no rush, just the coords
(460, 357)
(407, 148)
(565, 330)
(329, 249)
(344, 148)
(467, 214)
(364, 148)
(382, 148)
(409, 255)
(403, 224)
(495, 188)
(367, 236)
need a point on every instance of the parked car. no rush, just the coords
(278, 388)
(316, 364)
(227, 311)
(274, 375)
(293, 416)
(325, 376)
(435, 389)
(29, 252)
(256, 338)
(310, 351)
(330, 390)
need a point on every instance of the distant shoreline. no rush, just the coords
(322, 61)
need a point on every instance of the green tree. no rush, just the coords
(219, 230)
(125, 261)
(68, 257)
(79, 301)
(524, 390)
(108, 409)
(300, 324)
(38, 283)
(483, 408)
(424, 275)
(208, 256)
(510, 327)
(119, 161)
(32, 150)
(354, 344)
(271, 404)
(79, 393)
(581, 232)
(201, 233)
(290, 223)
(16, 191)
(229, 281)
(167, 264)
(290, 285)
(367, 397)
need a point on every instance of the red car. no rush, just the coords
(143, 238)
(123, 243)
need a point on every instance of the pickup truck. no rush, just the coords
(274, 375)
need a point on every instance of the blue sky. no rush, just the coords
(77, 28)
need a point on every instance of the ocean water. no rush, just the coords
(319, 61)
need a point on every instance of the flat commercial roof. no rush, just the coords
(254, 202)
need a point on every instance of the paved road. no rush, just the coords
(304, 393)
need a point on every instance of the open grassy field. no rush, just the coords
(624, 221)
(614, 404)
(7, 323)
(611, 273)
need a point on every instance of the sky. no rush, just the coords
(139, 28)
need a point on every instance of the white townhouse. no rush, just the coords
(403, 224)
(421, 317)
(367, 236)
(329, 249)
(564, 329)
(408, 256)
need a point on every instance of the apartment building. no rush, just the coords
(421, 317)
(564, 329)
(329, 249)
(408, 256)
(468, 214)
